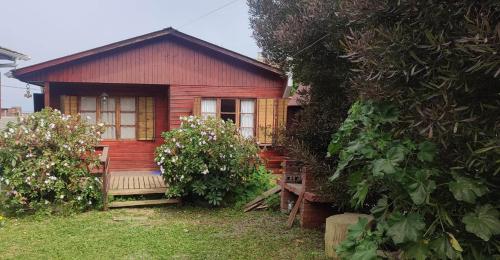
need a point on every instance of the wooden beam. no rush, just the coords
(262, 197)
(295, 209)
(46, 94)
(118, 204)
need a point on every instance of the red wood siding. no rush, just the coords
(168, 60)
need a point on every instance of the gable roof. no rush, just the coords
(135, 40)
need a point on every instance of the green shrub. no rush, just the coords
(207, 159)
(419, 207)
(44, 162)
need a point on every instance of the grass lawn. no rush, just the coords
(154, 233)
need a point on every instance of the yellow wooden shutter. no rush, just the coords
(265, 120)
(271, 117)
(145, 118)
(69, 105)
(281, 111)
(197, 106)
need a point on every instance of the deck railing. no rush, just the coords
(103, 171)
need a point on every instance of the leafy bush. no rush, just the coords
(422, 209)
(207, 159)
(44, 163)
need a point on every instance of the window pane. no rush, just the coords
(108, 105)
(127, 104)
(248, 106)
(108, 118)
(127, 118)
(110, 133)
(206, 115)
(88, 104)
(127, 132)
(226, 117)
(228, 105)
(89, 116)
(246, 120)
(208, 106)
(247, 132)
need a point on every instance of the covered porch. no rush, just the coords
(134, 115)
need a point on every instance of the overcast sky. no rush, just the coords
(50, 29)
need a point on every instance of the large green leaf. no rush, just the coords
(466, 189)
(405, 228)
(483, 222)
(356, 231)
(366, 250)
(420, 187)
(396, 154)
(443, 249)
(426, 151)
(379, 209)
(418, 250)
(360, 195)
(381, 167)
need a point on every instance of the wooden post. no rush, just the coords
(46, 94)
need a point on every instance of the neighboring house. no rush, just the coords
(141, 86)
(8, 59)
(11, 111)
(295, 103)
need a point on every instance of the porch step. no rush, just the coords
(133, 203)
(137, 191)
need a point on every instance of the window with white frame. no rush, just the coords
(239, 111)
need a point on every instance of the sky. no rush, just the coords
(49, 29)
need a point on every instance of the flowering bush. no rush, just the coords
(207, 159)
(45, 160)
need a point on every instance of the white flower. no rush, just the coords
(62, 196)
(79, 198)
(52, 125)
(167, 151)
(223, 168)
(205, 172)
(11, 130)
(46, 202)
(90, 202)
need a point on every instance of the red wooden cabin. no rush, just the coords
(140, 87)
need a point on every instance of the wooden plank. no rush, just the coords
(118, 204)
(263, 196)
(295, 209)
(152, 182)
(145, 180)
(138, 191)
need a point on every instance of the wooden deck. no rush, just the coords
(136, 183)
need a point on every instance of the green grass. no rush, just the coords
(159, 233)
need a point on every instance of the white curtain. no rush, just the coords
(247, 116)
(88, 108)
(127, 118)
(108, 118)
(208, 107)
